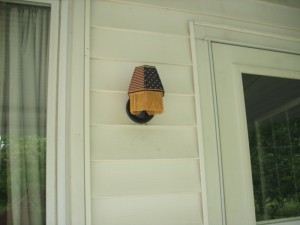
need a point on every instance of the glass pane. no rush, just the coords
(273, 117)
(24, 37)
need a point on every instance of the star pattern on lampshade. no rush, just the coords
(152, 80)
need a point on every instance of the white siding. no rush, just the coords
(142, 174)
(109, 108)
(150, 174)
(136, 142)
(114, 75)
(144, 177)
(175, 209)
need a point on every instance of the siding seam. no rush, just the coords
(141, 61)
(139, 31)
(199, 13)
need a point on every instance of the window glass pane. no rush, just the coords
(24, 37)
(273, 117)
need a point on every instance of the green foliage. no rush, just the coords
(3, 174)
(24, 158)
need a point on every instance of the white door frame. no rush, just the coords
(202, 35)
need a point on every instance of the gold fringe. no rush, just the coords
(149, 101)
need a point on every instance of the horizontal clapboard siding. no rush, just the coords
(153, 19)
(149, 174)
(109, 108)
(140, 177)
(172, 209)
(113, 75)
(142, 174)
(132, 45)
(135, 142)
(256, 12)
(157, 19)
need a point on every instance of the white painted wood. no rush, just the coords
(73, 139)
(229, 63)
(265, 37)
(62, 123)
(116, 76)
(51, 154)
(126, 43)
(121, 44)
(121, 32)
(213, 180)
(210, 27)
(249, 36)
(173, 209)
(162, 20)
(154, 20)
(246, 10)
(141, 177)
(87, 146)
(143, 142)
(109, 108)
(199, 121)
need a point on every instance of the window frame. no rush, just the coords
(51, 104)
(65, 165)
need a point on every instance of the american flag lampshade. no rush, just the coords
(146, 91)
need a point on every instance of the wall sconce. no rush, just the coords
(145, 94)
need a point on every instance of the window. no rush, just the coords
(273, 114)
(24, 57)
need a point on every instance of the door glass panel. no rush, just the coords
(273, 119)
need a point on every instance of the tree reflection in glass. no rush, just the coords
(273, 117)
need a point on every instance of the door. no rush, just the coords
(258, 108)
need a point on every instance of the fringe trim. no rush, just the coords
(148, 101)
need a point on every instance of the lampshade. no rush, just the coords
(146, 91)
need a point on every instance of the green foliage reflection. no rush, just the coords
(275, 159)
(22, 174)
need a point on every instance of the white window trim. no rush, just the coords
(72, 174)
(234, 33)
(51, 215)
(87, 162)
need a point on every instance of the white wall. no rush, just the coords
(150, 174)
(142, 174)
